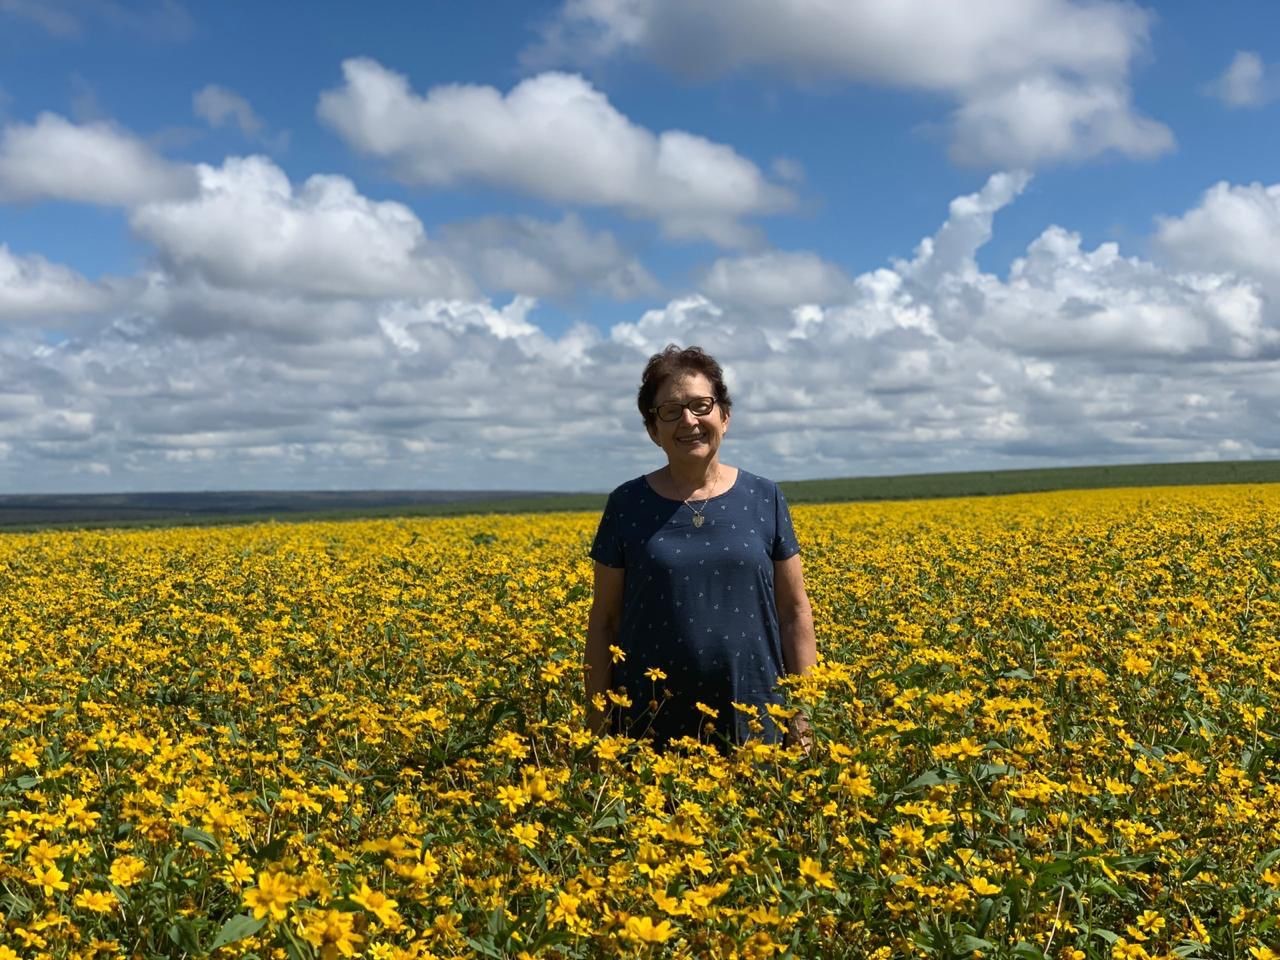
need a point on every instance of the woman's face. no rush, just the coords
(689, 438)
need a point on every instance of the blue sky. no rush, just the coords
(337, 245)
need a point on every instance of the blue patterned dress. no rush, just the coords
(698, 604)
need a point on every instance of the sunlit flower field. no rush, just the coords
(1043, 726)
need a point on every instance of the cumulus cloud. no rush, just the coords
(552, 136)
(55, 159)
(1234, 229)
(1035, 80)
(775, 279)
(218, 106)
(32, 288)
(538, 258)
(1247, 82)
(247, 227)
(1073, 354)
(1039, 119)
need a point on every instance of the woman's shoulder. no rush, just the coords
(629, 491)
(753, 484)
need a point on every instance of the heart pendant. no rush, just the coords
(697, 519)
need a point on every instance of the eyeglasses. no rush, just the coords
(673, 410)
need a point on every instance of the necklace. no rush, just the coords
(698, 518)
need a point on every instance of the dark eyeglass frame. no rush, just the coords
(709, 402)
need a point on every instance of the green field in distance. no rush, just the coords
(33, 512)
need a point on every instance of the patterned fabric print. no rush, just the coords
(698, 604)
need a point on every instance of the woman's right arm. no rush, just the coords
(602, 632)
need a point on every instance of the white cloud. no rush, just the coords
(1247, 82)
(1048, 75)
(165, 20)
(249, 228)
(1075, 354)
(1234, 229)
(545, 259)
(775, 279)
(98, 163)
(32, 288)
(218, 105)
(556, 137)
(1040, 119)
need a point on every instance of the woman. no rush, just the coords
(699, 604)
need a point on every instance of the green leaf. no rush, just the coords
(200, 838)
(930, 778)
(27, 782)
(967, 944)
(1268, 859)
(1046, 873)
(485, 948)
(271, 851)
(985, 771)
(183, 935)
(1193, 868)
(295, 948)
(1027, 951)
(237, 928)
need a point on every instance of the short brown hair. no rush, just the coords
(673, 361)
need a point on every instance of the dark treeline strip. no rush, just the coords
(34, 512)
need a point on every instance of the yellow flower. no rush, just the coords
(512, 797)
(272, 896)
(237, 873)
(43, 854)
(377, 903)
(126, 870)
(984, 887)
(654, 674)
(617, 653)
(709, 711)
(331, 931)
(618, 698)
(644, 930)
(49, 879)
(1122, 949)
(99, 901)
(812, 869)
(1150, 921)
(526, 834)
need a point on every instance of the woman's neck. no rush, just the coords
(694, 479)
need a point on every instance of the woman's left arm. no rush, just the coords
(795, 616)
(799, 645)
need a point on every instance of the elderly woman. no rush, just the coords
(699, 605)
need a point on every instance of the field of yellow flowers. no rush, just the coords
(1043, 726)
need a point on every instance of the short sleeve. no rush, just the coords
(785, 543)
(607, 547)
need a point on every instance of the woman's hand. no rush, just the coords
(799, 733)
